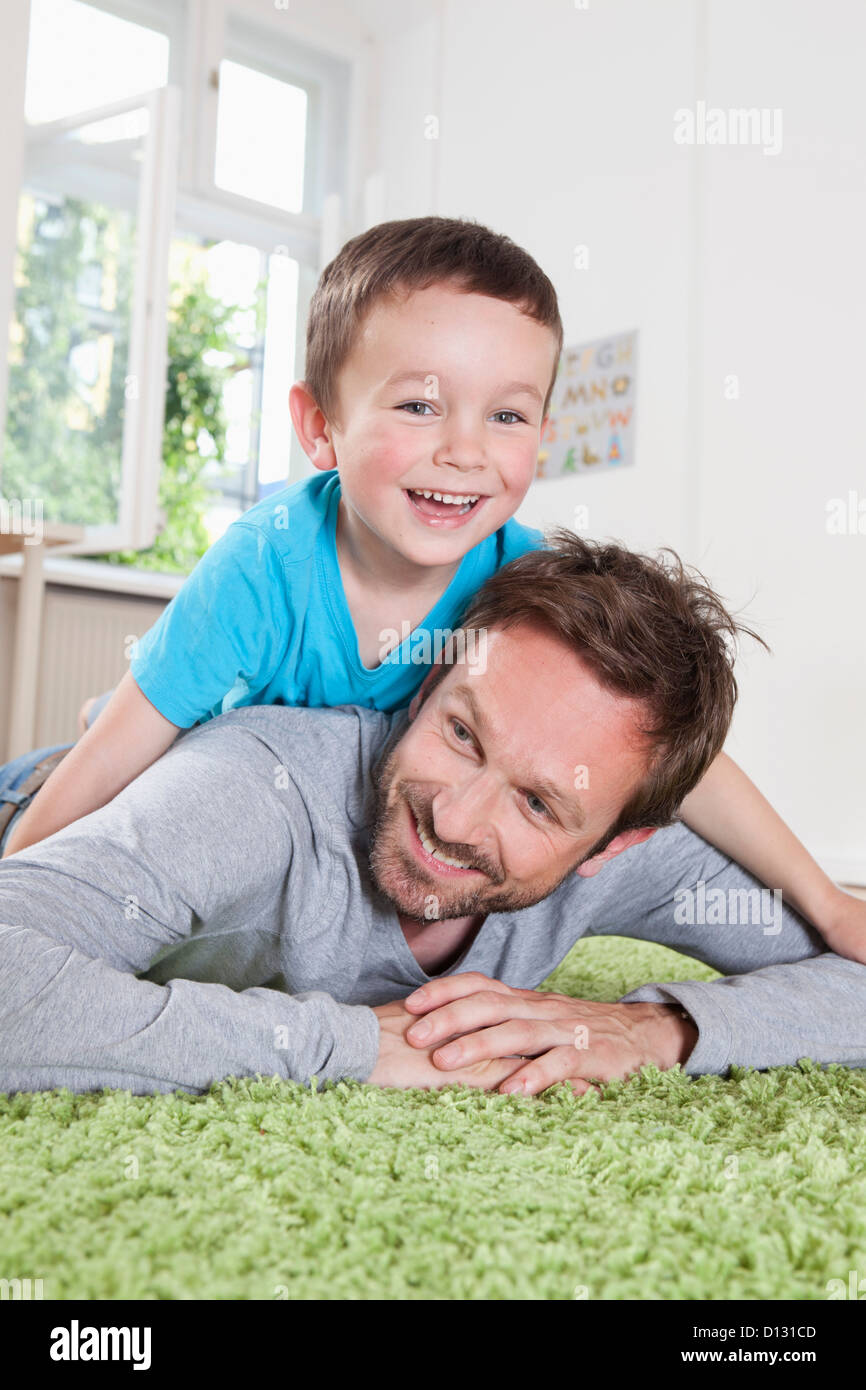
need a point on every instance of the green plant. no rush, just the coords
(195, 427)
(74, 468)
(63, 444)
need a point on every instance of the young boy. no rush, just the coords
(432, 348)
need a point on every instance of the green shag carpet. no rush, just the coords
(662, 1187)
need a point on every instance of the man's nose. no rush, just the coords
(464, 814)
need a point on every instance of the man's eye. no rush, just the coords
(457, 727)
(407, 406)
(512, 413)
(538, 808)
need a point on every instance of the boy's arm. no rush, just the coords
(129, 735)
(727, 810)
(228, 622)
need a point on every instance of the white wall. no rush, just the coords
(784, 300)
(556, 126)
(539, 139)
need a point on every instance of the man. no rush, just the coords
(285, 878)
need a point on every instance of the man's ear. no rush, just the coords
(590, 867)
(311, 427)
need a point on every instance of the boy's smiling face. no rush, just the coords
(442, 392)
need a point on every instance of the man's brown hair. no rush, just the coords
(648, 628)
(395, 257)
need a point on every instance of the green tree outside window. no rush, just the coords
(64, 427)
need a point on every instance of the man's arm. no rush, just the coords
(773, 1017)
(67, 1019)
(782, 998)
(207, 829)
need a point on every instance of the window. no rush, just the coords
(69, 356)
(80, 56)
(288, 112)
(86, 364)
(260, 137)
(264, 143)
(261, 290)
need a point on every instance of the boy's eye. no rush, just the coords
(410, 408)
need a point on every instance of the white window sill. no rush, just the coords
(92, 574)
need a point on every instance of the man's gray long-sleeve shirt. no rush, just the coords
(217, 918)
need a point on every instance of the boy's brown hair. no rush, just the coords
(412, 255)
(648, 628)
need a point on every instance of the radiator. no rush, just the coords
(83, 651)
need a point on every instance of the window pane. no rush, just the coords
(231, 363)
(70, 328)
(261, 128)
(256, 398)
(278, 373)
(79, 57)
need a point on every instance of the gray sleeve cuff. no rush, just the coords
(344, 1046)
(711, 1053)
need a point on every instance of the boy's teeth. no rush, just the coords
(447, 496)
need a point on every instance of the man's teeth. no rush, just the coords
(456, 499)
(443, 859)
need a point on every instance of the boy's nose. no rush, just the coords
(465, 465)
(461, 449)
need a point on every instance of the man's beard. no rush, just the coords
(423, 895)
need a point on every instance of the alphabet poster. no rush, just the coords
(591, 421)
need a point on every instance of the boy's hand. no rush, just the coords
(845, 927)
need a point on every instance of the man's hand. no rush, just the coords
(573, 1040)
(404, 1066)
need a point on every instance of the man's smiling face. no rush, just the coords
(515, 772)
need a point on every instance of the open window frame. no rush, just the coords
(178, 193)
(149, 193)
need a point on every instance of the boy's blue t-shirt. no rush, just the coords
(263, 618)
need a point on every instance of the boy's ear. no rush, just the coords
(590, 867)
(311, 427)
